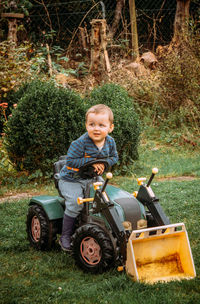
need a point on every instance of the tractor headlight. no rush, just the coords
(141, 224)
(127, 225)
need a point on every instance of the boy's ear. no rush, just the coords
(111, 128)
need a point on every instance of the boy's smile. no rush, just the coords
(98, 127)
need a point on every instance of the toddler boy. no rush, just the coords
(94, 144)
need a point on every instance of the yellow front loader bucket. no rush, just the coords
(160, 254)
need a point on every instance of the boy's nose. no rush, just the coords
(96, 127)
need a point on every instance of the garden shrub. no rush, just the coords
(126, 121)
(41, 128)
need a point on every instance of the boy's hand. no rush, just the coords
(99, 168)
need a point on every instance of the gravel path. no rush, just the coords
(18, 196)
(26, 195)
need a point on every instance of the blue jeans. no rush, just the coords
(71, 191)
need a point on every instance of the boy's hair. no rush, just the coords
(100, 108)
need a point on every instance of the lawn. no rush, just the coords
(29, 276)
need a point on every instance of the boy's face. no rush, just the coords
(98, 127)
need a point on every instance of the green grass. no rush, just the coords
(30, 276)
(171, 161)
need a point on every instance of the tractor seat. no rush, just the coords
(57, 166)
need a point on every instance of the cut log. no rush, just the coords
(99, 55)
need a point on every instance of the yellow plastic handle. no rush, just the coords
(81, 200)
(120, 268)
(97, 185)
(135, 193)
(109, 175)
(155, 170)
(141, 180)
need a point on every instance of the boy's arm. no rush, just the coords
(113, 157)
(76, 155)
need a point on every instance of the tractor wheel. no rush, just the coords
(39, 229)
(92, 249)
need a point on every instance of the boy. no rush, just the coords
(94, 144)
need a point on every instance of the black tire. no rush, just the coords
(40, 231)
(92, 249)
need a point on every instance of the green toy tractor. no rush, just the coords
(103, 235)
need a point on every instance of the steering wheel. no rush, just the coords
(87, 170)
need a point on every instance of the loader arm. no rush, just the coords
(103, 205)
(147, 197)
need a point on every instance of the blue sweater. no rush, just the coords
(84, 150)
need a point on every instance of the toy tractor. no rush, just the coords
(115, 228)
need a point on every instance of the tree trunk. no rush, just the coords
(118, 12)
(181, 21)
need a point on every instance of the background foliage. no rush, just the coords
(154, 18)
(166, 99)
(180, 89)
(15, 67)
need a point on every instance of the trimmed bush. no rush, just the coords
(43, 125)
(126, 132)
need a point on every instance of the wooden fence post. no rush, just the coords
(134, 34)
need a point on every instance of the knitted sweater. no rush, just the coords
(84, 150)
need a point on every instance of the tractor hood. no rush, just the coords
(133, 210)
(127, 206)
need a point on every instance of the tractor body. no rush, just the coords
(115, 228)
(127, 207)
